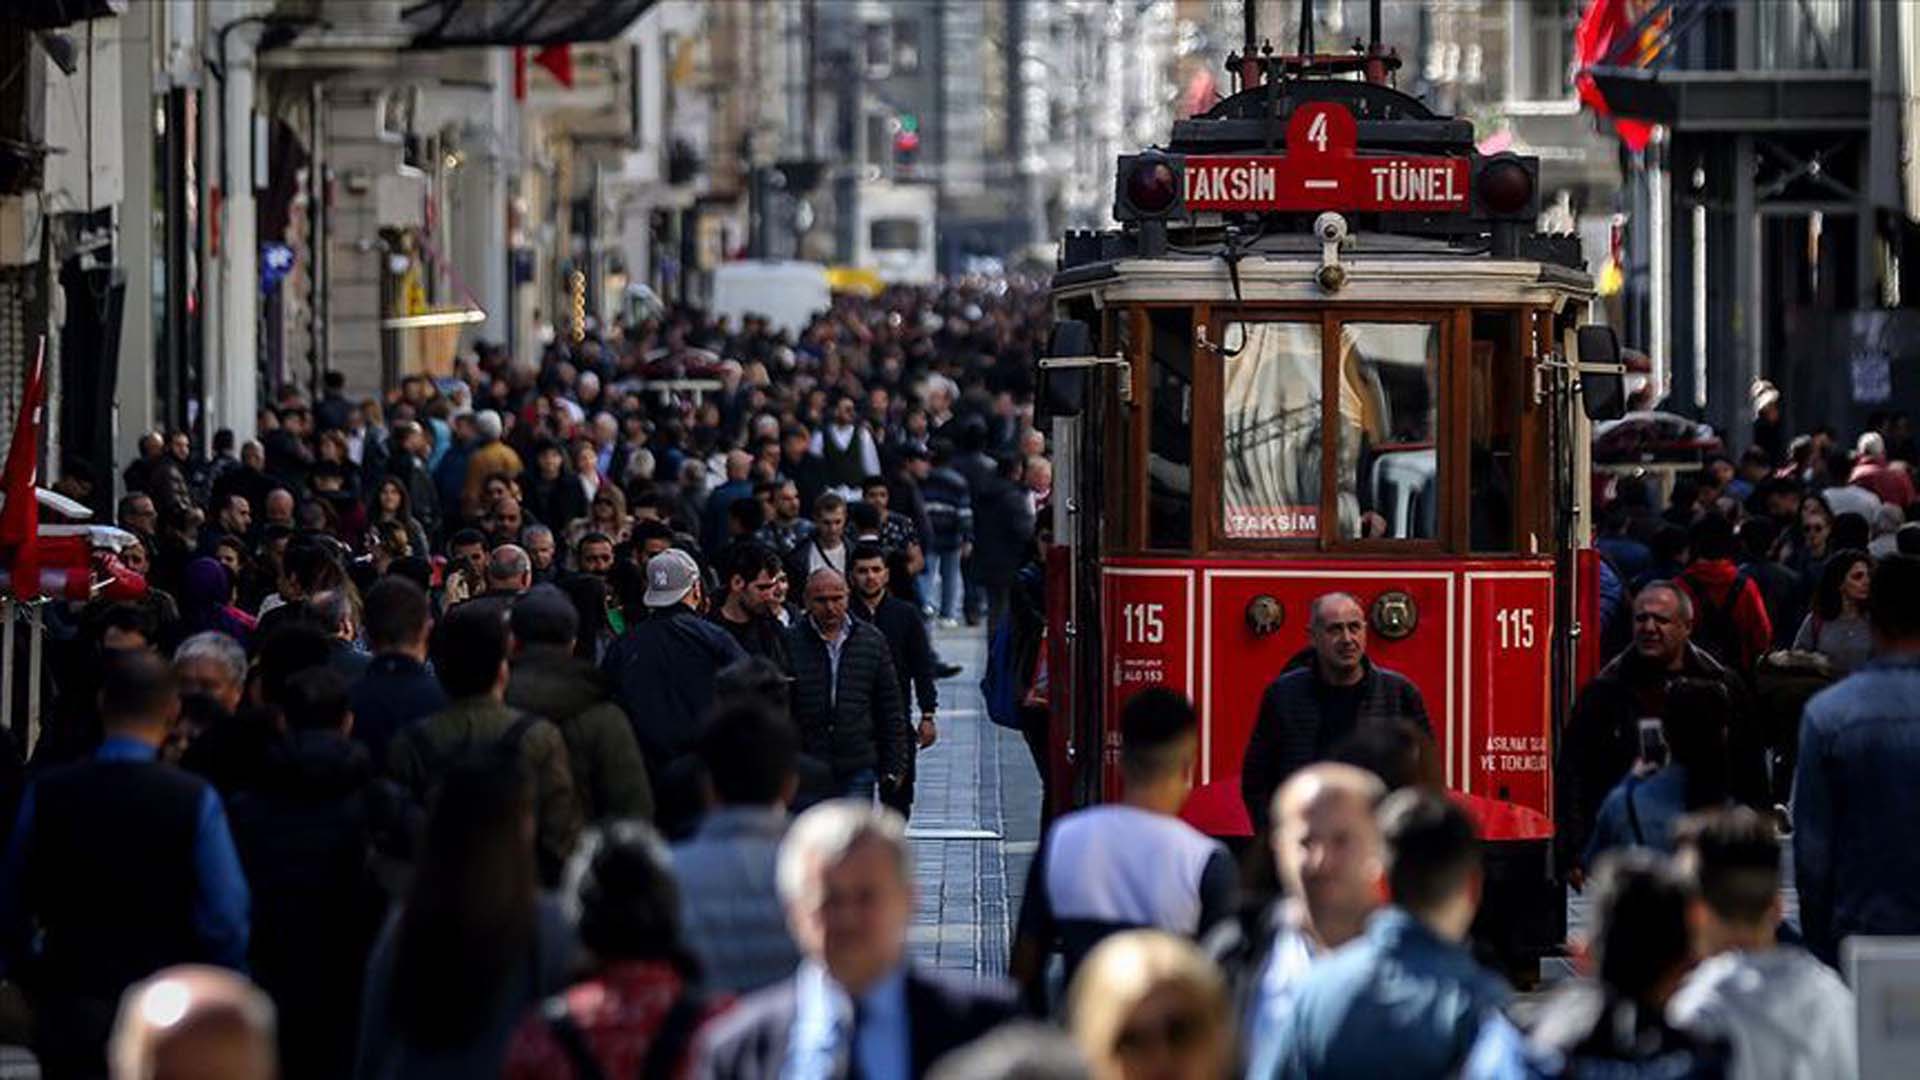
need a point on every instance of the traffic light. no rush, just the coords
(1150, 186)
(906, 141)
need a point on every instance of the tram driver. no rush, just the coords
(1327, 694)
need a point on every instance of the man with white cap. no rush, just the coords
(662, 670)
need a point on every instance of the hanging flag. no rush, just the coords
(558, 60)
(20, 517)
(1611, 34)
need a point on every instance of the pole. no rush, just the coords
(36, 647)
(1250, 45)
(235, 396)
(7, 667)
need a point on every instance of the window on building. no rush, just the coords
(1543, 49)
(906, 46)
(879, 42)
(879, 139)
(1270, 430)
(1387, 476)
(1170, 432)
(893, 234)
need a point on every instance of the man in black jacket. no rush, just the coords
(320, 841)
(1324, 697)
(906, 635)
(1602, 738)
(752, 572)
(846, 878)
(846, 699)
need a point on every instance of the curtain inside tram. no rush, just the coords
(1270, 488)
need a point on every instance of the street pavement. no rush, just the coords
(976, 822)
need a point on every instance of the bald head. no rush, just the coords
(826, 599)
(1338, 629)
(1327, 847)
(193, 1023)
(509, 569)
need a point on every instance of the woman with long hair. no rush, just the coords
(636, 1014)
(1837, 628)
(392, 503)
(1150, 1006)
(606, 514)
(473, 945)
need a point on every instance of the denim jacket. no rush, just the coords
(1400, 1002)
(1856, 793)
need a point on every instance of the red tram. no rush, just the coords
(1327, 349)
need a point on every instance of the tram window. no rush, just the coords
(1495, 409)
(1387, 411)
(1270, 429)
(1170, 433)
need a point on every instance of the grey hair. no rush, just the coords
(828, 833)
(1681, 599)
(536, 529)
(508, 562)
(1871, 445)
(1319, 602)
(216, 647)
(333, 608)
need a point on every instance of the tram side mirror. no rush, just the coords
(1063, 390)
(1603, 393)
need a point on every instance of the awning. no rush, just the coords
(440, 24)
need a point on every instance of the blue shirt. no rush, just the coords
(823, 1027)
(1401, 1001)
(220, 903)
(1854, 799)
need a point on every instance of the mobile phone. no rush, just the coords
(1653, 744)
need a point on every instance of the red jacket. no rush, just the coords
(1752, 625)
(1892, 485)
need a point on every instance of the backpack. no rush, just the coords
(438, 763)
(1714, 627)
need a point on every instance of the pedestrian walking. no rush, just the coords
(900, 623)
(846, 699)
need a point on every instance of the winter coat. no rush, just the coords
(1003, 526)
(608, 774)
(949, 504)
(419, 757)
(858, 723)
(310, 840)
(1602, 739)
(1287, 734)
(662, 672)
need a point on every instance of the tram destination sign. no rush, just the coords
(1320, 171)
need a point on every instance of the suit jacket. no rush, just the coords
(749, 1042)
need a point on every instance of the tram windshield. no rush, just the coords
(1385, 470)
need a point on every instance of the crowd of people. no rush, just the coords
(540, 721)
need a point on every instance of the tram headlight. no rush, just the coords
(1151, 185)
(1507, 186)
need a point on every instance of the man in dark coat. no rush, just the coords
(1323, 698)
(909, 1017)
(319, 841)
(1602, 739)
(906, 636)
(1003, 522)
(846, 698)
(662, 671)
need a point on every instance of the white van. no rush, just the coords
(894, 236)
(787, 292)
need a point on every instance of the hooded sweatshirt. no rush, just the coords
(1787, 1015)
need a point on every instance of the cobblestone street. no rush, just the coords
(975, 824)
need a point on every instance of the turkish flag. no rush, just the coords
(20, 517)
(558, 60)
(1605, 38)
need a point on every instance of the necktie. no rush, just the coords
(852, 1028)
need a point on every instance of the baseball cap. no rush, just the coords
(671, 575)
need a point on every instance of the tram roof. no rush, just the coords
(1402, 273)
